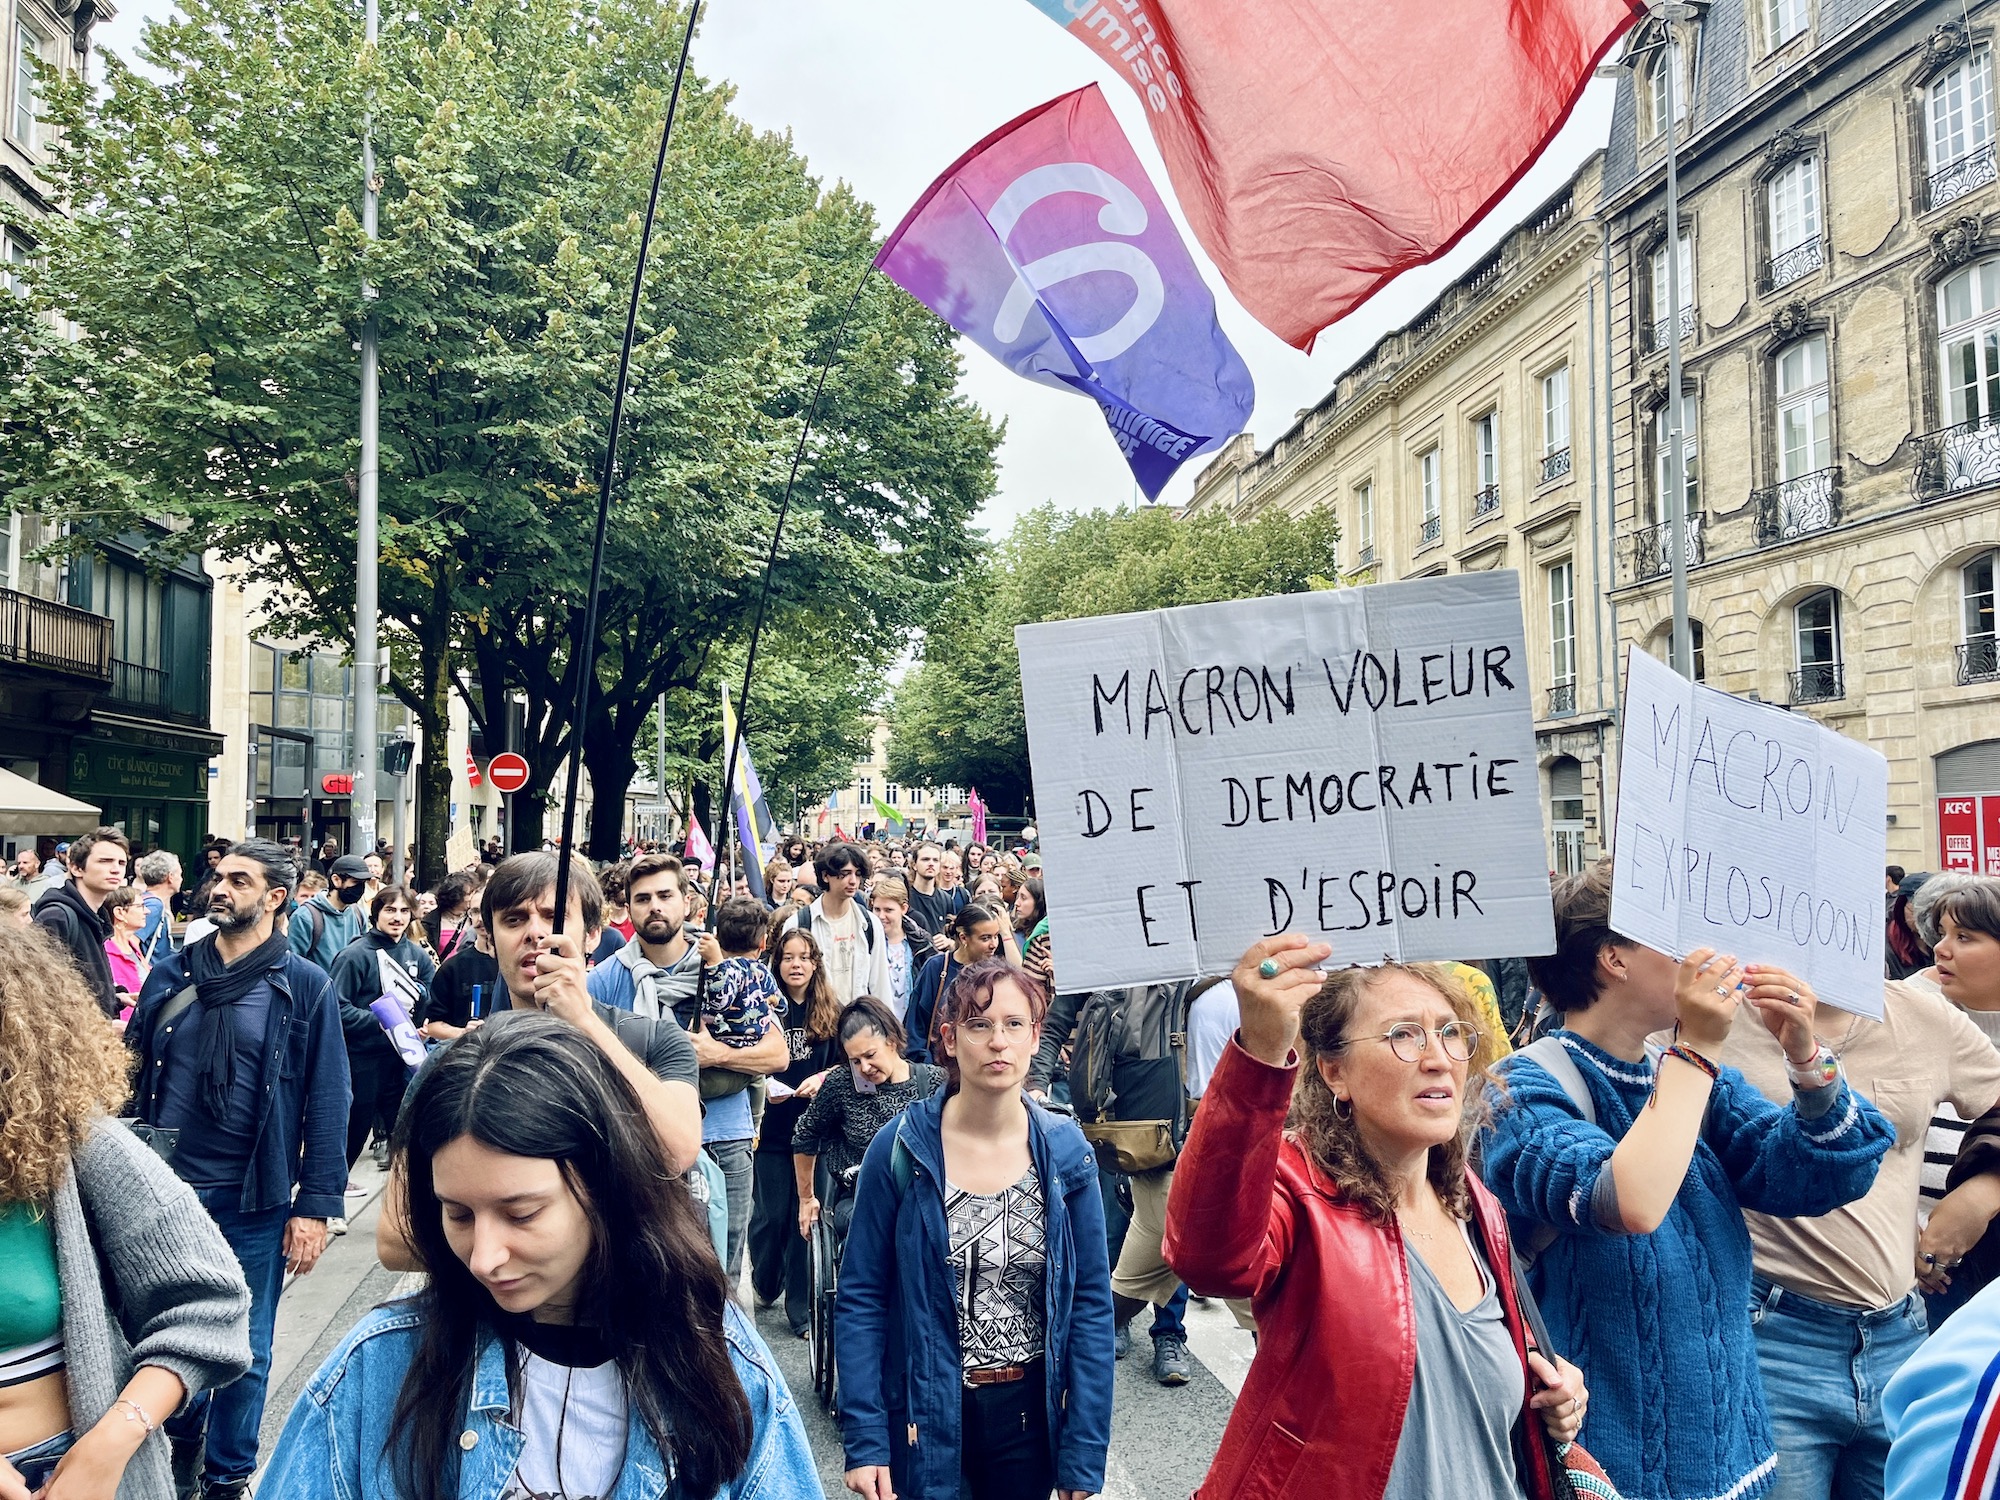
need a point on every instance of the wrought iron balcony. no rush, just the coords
(1562, 700)
(173, 694)
(1486, 503)
(1787, 266)
(57, 637)
(1967, 174)
(1431, 533)
(1964, 457)
(1658, 332)
(1367, 558)
(1798, 507)
(1979, 661)
(1819, 682)
(1555, 466)
(1653, 550)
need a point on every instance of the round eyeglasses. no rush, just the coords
(1410, 1041)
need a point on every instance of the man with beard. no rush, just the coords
(333, 918)
(658, 975)
(241, 1057)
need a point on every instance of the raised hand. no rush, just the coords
(1273, 982)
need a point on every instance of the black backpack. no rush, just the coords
(1128, 1073)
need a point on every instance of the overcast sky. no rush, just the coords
(888, 93)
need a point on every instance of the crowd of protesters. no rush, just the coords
(1596, 1222)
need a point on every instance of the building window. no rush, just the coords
(1562, 639)
(1666, 66)
(14, 256)
(1793, 201)
(1978, 659)
(1662, 298)
(1969, 318)
(1805, 411)
(1663, 449)
(1486, 447)
(1427, 482)
(29, 47)
(1555, 410)
(867, 794)
(1364, 523)
(1816, 635)
(1785, 19)
(893, 801)
(1566, 814)
(1959, 124)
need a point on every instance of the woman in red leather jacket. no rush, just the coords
(1392, 1357)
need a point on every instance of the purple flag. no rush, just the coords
(1046, 245)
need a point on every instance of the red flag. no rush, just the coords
(1320, 148)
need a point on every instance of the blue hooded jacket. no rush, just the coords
(896, 1319)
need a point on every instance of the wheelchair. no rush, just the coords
(823, 1251)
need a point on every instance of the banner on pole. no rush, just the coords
(756, 830)
(1357, 765)
(1047, 246)
(1749, 830)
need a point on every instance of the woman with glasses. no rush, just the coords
(992, 1382)
(1361, 1229)
(1633, 1166)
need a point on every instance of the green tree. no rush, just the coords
(957, 718)
(213, 279)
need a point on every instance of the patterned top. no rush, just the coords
(999, 1260)
(740, 1001)
(841, 1120)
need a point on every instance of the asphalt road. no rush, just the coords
(1161, 1438)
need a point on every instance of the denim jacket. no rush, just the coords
(896, 1328)
(335, 1445)
(302, 1113)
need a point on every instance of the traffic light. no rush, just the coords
(396, 758)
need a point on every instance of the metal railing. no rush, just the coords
(1555, 466)
(1653, 551)
(1819, 682)
(60, 637)
(1367, 558)
(1798, 507)
(1486, 502)
(1961, 457)
(1431, 532)
(1788, 266)
(1562, 700)
(1979, 661)
(137, 685)
(1659, 331)
(1968, 174)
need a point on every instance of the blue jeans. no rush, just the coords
(35, 1464)
(1824, 1368)
(231, 1416)
(739, 1171)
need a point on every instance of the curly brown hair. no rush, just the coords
(1333, 1143)
(61, 1064)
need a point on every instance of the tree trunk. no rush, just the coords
(434, 777)
(608, 757)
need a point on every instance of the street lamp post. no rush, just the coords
(361, 799)
(1677, 518)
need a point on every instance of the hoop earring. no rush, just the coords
(1340, 1114)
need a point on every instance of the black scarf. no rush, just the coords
(217, 987)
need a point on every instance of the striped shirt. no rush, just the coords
(1947, 1130)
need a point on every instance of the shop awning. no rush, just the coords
(29, 809)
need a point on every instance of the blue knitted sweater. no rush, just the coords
(1660, 1323)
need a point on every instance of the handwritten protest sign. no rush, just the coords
(1752, 831)
(1357, 765)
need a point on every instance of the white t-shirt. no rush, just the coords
(844, 960)
(1212, 1022)
(572, 1423)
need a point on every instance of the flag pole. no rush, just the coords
(770, 569)
(584, 651)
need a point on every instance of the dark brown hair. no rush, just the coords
(79, 851)
(740, 924)
(970, 993)
(865, 1014)
(648, 865)
(822, 1005)
(1334, 1143)
(1568, 977)
(521, 878)
(1974, 906)
(390, 893)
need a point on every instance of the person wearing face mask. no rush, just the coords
(333, 918)
(976, 933)
(576, 1335)
(384, 960)
(991, 1380)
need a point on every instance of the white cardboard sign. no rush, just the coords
(1357, 765)
(1749, 830)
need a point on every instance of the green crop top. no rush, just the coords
(31, 1313)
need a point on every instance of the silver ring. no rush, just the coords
(1929, 1259)
(1722, 989)
(1268, 968)
(1793, 996)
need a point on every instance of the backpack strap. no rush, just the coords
(1555, 1060)
(318, 915)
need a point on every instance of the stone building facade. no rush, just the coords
(1840, 241)
(1470, 440)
